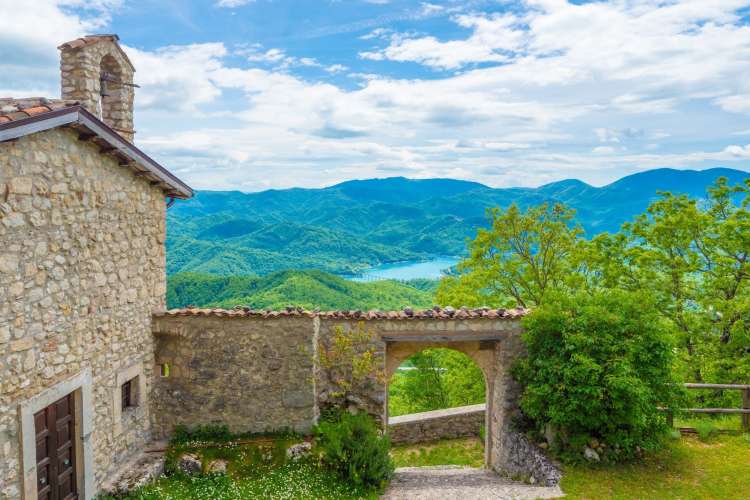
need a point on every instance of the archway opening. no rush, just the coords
(110, 79)
(435, 379)
(435, 407)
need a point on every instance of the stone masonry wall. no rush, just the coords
(253, 374)
(82, 267)
(255, 371)
(464, 421)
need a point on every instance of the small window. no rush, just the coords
(130, 393)
(164, 370)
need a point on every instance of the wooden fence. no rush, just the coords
(744, 411)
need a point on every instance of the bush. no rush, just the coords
(353, 446)
(597, 369)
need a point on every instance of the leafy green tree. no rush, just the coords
(518, 260)
(437, 378)
(598, 367)
(695, 257)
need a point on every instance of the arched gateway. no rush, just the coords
(491, 338)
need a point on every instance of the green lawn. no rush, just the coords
(688, 468)
(464, 451)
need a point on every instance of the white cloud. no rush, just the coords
(735, 103)
(572, 86)
(376, 33)
(603, 150)
(31, 32)
(336, 68)
(230, 4)
(738, 151)
(177, 77)
(430, 9)
(492, 39)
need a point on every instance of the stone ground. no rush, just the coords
(462, 483)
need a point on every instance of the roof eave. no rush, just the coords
(78, 116)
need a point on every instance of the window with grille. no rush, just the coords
(130, 393)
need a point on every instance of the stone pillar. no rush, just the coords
(97, 73)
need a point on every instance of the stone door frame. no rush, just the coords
(481, 349)
(80, 386)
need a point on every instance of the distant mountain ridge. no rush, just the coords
(358, 223)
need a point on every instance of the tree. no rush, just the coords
(695, 257)
(438, 378)
(517, 261)
(598, 367)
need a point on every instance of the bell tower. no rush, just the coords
(97, 73)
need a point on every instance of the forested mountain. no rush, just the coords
(308, 289)
(356, 224)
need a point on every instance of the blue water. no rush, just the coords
(407, 270)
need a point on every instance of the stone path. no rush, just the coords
(461, 483)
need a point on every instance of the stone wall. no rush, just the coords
(464, 421)
(253, 374)
(255, 371)
(82, 267)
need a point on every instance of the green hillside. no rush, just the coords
(309, 289)
(358, 224)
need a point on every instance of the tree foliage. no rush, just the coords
(435, 379)
(686, 261)
(520, 258)
(598, 367)
(308, 289)
(695, 257)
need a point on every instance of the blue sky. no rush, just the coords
(264, 94)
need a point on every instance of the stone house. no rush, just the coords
(82, 269)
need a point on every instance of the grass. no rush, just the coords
(289, 481)
(719, 422)
(688, 468)
(463, 451)
(258, 471)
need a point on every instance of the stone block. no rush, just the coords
(22, 344)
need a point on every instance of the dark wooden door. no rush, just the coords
(55, 450)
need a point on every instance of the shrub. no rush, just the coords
(598, 367)
(353, 446)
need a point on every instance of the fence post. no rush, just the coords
(746, 406)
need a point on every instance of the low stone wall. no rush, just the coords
(464, 421)
(255, 370)
(252, 374)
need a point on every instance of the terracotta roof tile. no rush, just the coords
(87, 40)
(17, 109)
(406, 314)
(91, 39)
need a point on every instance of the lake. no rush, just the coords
(407, 270)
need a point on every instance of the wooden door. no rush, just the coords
(55, 450)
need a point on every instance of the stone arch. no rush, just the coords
(398, 352)
(482, 354)
(111, 90)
